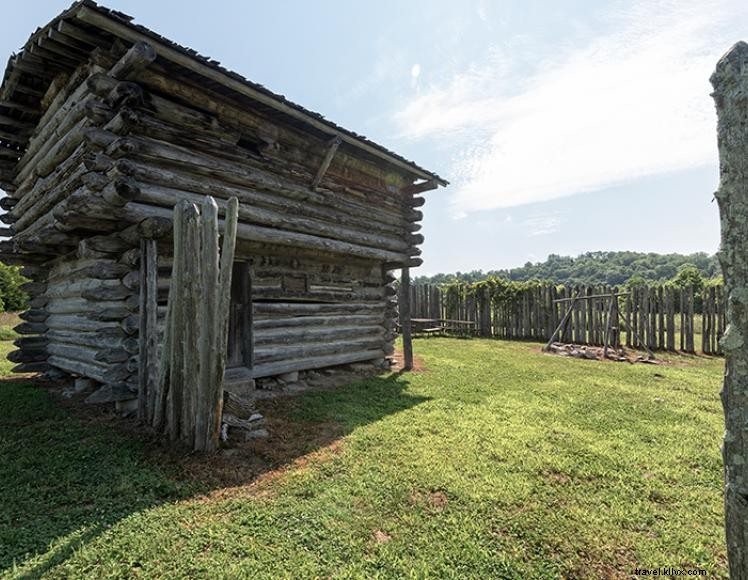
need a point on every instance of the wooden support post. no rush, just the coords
(730, 84)
(547, 347)
(405, 319)
(148, 335)
(608, 324)
(332, 148)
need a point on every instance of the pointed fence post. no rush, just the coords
(730, 81)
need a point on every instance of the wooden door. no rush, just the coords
(240, 341)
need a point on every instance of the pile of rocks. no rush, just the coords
(598, 353)
(241, 421)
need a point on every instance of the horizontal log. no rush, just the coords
(30, 328)
(239, 171)
(317, 321)
(300, 309)
(111, 393)
(108, 247)
(27, 356)
(112, 355)
(93, 339)
(32, 367)
(105, 294)
(79, 288)
(287, 366)
(36, 273)
(285, 220)
(78, 353)
(8, 203)
(134, 212)
(65, 114)
(102, 310)
(56, 154)
(120, 191)
(97, 269)
(77, 367)
(32, 342)
(139, 56)
(301, 334)
(273, 353)
(164, 83)
(42, 193)
(301, 202)
(76, 322)
(34, 315)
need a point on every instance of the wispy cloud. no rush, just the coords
(630, 103)
(541, 225)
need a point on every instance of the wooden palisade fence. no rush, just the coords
(660, 317)
(182, 394)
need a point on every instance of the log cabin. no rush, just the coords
(106, 125)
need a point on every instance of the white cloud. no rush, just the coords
(631, 103)
(415, 70)
(541, 225)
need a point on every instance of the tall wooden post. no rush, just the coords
(148, 334)
(405, 319)
(730, 82)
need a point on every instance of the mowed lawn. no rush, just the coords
(497, 461)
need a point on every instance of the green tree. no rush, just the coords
(689, 275)
(13, 298)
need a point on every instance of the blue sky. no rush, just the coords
(564, 127)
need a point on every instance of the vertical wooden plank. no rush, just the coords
(246, 315)
(176, 386)
(608, 326)
(661, 318)
(670, 307)
(720, 318)
(151, 309)
(690, 318)
(405, 320)
(209, 273)
(682, 304)
(189, 344)
(705, 322)
(644, 322)
(142, 337)
(221, 321)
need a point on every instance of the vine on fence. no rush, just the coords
(660, 316)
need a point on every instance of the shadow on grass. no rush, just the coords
(67, 473)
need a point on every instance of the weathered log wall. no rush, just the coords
(123, 138)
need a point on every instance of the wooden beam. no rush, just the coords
(417, 188)
(332, 148)
(11, 122)
(68, 29)
(19, 107)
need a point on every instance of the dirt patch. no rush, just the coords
(554, 476)
(615, 562)
(397, 367)
(433, 500)
(381, 537)
(438, 500)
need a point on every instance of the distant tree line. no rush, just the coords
(591, 268)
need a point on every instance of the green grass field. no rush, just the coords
(497, 461)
